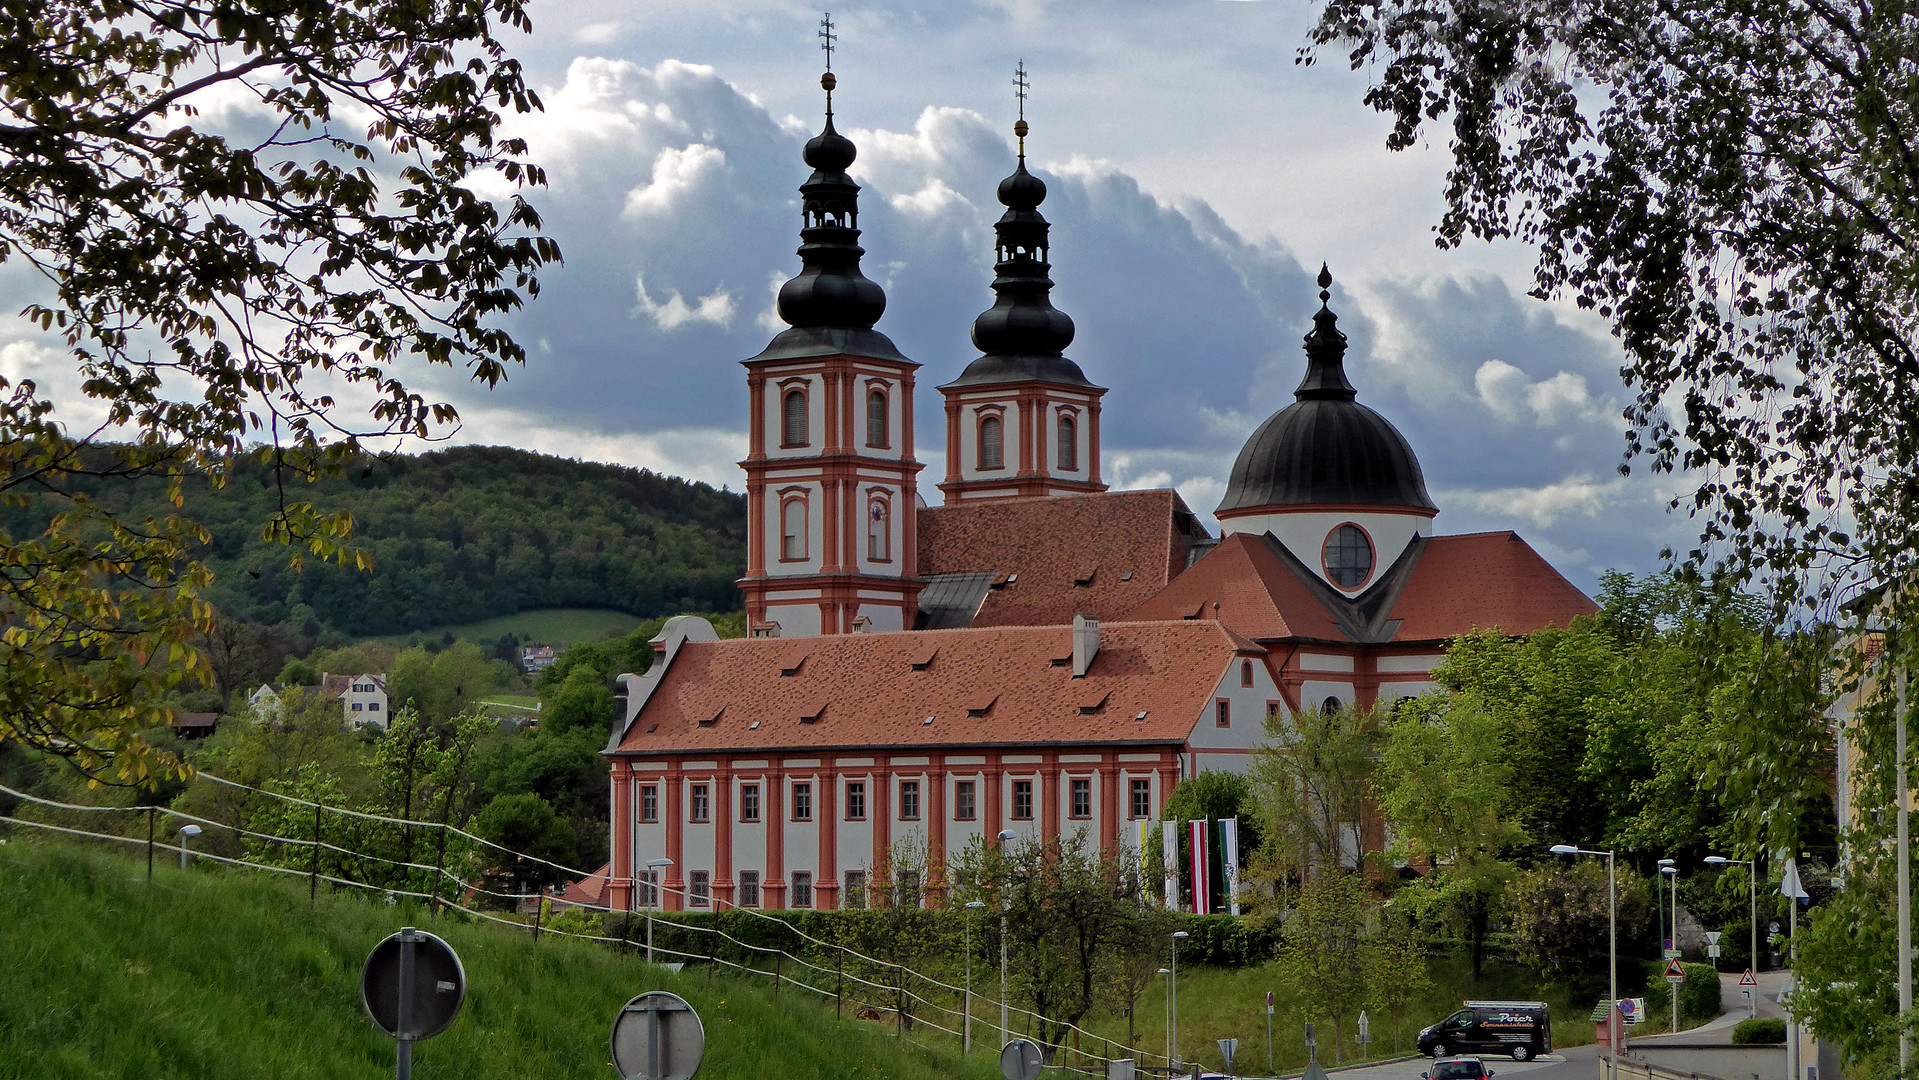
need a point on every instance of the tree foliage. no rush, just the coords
(221, 290)
(1561, 918)
(1731, 186)
(1313, 776)
(1324, 956)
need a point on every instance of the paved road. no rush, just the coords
(1575, 1063)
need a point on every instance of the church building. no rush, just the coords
(1037, 654)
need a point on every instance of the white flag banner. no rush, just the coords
(1229, 860)
(1789, 884)
(1169, 846)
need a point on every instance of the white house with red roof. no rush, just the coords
(1039, 654)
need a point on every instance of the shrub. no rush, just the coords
(1760, 1029)
(1699, 994)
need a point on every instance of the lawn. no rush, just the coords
(546, 626)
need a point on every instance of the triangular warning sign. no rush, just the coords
(1674, 971)
(1747, 979)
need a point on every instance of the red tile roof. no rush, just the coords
(1062, 555)
(1458, 584)
(589, 891)
(1243, 584)
(1485, 581)
(862, 690)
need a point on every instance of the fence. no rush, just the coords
(745, 940)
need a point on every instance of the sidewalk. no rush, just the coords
(1732, 1006)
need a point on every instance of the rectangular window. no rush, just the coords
(699, 892)
(1272, 710)
(1082, 797)
(1142, 798)
(964, 808)
(649, 802)
(855, 890)
(802, 802)
(749, 802)
(802, 890)
(649, 882)
(856, 801)
(1022, 800)
(749, 888)
(1222, 713)
(697, 808)
(909, 800)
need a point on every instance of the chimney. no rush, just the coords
(1085, 644)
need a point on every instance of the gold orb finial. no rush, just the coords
(1019, 128)
(828, 82)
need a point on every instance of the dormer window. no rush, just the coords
(793, 418)
(992, 443)
(1348, 557)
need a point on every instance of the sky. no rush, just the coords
(1198, 178)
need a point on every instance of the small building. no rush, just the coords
(362, 698)
(194, 725)
(536, 658)
(265, 702)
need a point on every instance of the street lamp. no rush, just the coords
(187, 832)
(1663, 864)
(1005, 1032)
(1752, 879)
(652, 899)
(1169, 1018)
(1612, 940)
(1672, 875)
(1172, 980)
(966, 1038)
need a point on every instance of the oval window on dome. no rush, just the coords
(1348, 556)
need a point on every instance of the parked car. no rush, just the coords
(1522, 1029)
(1457, 1068)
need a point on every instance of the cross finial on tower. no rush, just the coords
(1020, 86)
(827, 81)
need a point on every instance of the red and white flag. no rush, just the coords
(1201, 852)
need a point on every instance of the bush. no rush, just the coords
(1699, 994)
(1760, 1029)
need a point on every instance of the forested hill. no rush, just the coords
(464, 534)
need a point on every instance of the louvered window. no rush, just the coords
(876, 418)
(992, 444)
(793, 418)
(1068, 444)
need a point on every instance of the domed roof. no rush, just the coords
(1326, 449)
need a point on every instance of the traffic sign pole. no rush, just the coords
(403, 1042)
(1269, 1031)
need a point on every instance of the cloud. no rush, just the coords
(715, 307)
(1560, 399)
(677, 173)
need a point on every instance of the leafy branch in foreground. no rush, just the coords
(218, 283)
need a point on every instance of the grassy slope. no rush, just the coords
(547, 626)
(216, 975)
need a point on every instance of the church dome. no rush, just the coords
(1326, 449)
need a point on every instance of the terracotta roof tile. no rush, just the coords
(864, 691)
(1053, 558)
(1485, 581)
(1255, 594)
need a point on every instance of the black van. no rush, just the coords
(1521, 1028)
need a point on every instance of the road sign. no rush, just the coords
(1675, 973)
(1712, 937)
(1365, 1028)
(412, 987)
(658, 1036)
(1019, 1060)
(1269, 1003)
(1121, 1069)
(1747, 979)
(1227, 1047)
(1673, 954)
(1712, 952)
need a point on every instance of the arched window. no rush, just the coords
(1068, 444)
(793, 418)
(1348, 557)
(879, 532)
(1330, 706)
(876, 417)
(992, 444)
(793, 529)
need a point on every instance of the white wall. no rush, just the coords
(1304, 533)
(969, 443)
(815, 419)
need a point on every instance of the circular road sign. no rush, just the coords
(658, 1036)
(1019, 1060)
(415, 975)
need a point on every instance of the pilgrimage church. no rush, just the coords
(1037, 654)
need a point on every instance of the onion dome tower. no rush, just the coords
(1331, 479)
(1022, 419)
(830, 476)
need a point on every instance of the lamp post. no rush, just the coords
(1169, 1017)
(187, 832)
(1752, 879)
(1672, 875)
(1172, 980)
(1612, 940)
(1005, 1031)
(652, 899)
(1663, 864)
(966, 1037)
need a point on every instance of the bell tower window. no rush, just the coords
(992, 443)
(876, 418)
(793, 529)
(1068, 443)
(879, 532)
(1348, 556)
(793, 418)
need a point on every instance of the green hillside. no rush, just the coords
(456, 536)
(212, 974)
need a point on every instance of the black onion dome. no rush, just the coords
(1326, 449)
(831, 306)
(1022, 336)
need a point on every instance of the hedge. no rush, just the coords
(1759, 1029)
